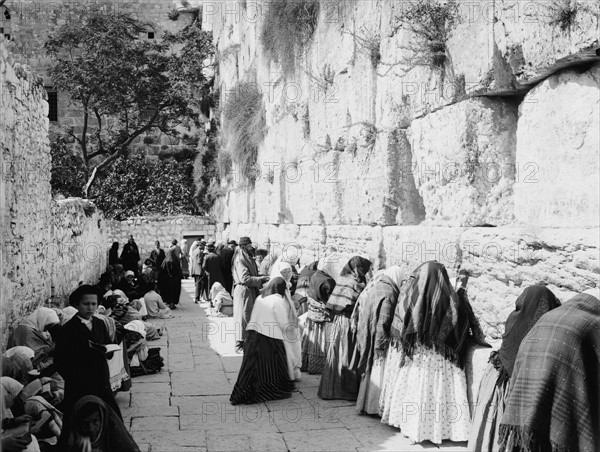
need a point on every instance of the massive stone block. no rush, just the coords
(463, 162)
(558, 139)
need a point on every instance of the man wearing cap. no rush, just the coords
(212, 266)
(226, 261)
(196, 262)
(246, 286)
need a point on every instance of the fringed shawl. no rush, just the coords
(429, 312)
(372, 313)
(534, 302)
(553, 402)
(351, 283)
(305, 274)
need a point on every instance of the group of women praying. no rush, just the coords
(63, 367)
(398, 344)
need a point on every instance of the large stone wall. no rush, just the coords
(490, 163)
(147, 230)
(47, 246)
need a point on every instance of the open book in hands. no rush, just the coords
(106, 349)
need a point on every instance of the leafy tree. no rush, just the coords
(68, 172)
(136, 186)
(125, 86)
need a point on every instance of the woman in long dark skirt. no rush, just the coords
(264, 372)
(170, 278)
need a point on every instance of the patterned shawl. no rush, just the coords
(351, 283)
(429, 312)
(534, 302)
(372, 316)
(554, 401)
(305, 274)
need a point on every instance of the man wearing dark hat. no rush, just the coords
(196, 262)
(226, 260)
(212, 267)
(246, 286)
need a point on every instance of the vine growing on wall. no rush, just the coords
(288, 27)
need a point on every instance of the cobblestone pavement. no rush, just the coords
(186, 406)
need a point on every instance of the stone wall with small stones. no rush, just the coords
(147, 230)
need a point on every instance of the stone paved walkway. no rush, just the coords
(186, 406)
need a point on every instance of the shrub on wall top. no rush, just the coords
(288, 26)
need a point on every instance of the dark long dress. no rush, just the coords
(84, 370)
(263, 375)
(130, 257)
(169, 278)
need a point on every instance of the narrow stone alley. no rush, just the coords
(186, 406)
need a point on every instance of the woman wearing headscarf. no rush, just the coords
(96, 427)
(372, 319)
(246, 285)
(339, 380)
(292, 339)
(16, 364)
(534, 302)
(317, 327)
(223, 303)
(302, 284)
(33, 332)
(154, 302)
(12, 417)
(264, 373)
(431, 327)
(553, 401)
(170, 278)
(113, 254)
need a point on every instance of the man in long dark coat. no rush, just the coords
(196, 262)
(157, 255)
(212, 267)
(226, 260)
(130, 256)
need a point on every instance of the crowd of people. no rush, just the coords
(395, 343)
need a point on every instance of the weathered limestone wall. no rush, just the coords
(489, 162)
(147, 230)
(45, 245)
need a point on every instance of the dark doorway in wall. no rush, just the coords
(52, 104)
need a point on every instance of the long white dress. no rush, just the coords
(429, 400)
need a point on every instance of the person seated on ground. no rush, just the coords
(14, 435)
(16, 364)
(154, 303)
(34, 332)
(95, 426)
(105, 282)
(123, 312)
(118, 274)
(79, 358)
(143, 360)
(148, 271)
(129, 286)
(221, 300)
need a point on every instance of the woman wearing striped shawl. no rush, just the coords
(534, 302)
(428, 397)
(339, 381)
(372, 319)
(553, 401)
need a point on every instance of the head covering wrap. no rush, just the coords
(277, 271)
(357, 268)
(305, 274)
(396, 274)
(277, 285)
(216, 289)
(430, 313)
(330, 261)
(129, 273)
(41, 317)
(245, 241)
(553, 401)
(138, 326)
(10, 390)
(534, 302)
(594, 292)
(122, 297)
(68, 312)
(19, 350)
(17, 367)
(113, 434)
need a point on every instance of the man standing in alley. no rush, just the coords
(130, 256)
(226, 261)
(157, 255)
(246, 286)
(196, 264)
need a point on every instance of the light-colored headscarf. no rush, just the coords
(137, 326)
(19, 350)
(217, 289)
(11, 388)
(69, 312)
(40, 318)
(277, 270)
(122, 297)
(396, 274)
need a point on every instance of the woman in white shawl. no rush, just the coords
(292, 334)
